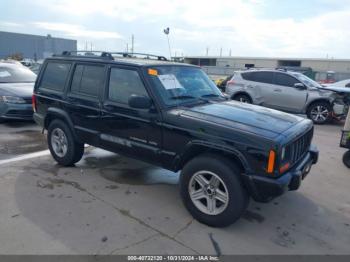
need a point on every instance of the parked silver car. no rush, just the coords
(284, 90)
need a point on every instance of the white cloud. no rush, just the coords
(9, 24)
(231, 24)
(77, 30)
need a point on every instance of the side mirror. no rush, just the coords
(300, 86)
(140, 102)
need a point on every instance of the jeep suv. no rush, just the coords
(173, 116)
(283, 90)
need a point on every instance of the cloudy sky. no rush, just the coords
(288, 28)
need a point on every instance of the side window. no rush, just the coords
(55, 76)
(347, 85)
(248, 76)
(88, 80)
(285, 80)
(263, 77)
(123, 83)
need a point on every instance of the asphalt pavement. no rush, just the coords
(108, 204)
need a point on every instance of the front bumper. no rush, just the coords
(263, 189)
(16, 111)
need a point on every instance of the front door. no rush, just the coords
(284, 96)
(127, 130)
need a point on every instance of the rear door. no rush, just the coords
(284, 96)
(84, 100)
(258, 84)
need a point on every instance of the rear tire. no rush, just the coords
(346, 159)
(212, 191)
(243, 98)
(64, 149)
(319, 112)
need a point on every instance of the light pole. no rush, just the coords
(166, 32)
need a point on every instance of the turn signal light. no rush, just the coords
(271, 162)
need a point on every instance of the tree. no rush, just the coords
(16, 56)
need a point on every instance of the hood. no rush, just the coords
(336, 89)
(17, 89)
(251, 118)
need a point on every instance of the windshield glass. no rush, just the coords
(182, 84)
(16, 74)
(306, 80)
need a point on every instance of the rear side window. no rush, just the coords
(88, 80)
(123, 83)
(55, 76)
(285, 80)
(248, 76)
(263, 77)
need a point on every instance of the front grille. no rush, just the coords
(299, 147)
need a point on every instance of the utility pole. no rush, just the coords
(127, 47)
(220, 51)
(230, 52)
(166, 32)
(132, 43)
(207, 51)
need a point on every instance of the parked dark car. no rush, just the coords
(16, 89)
(172, 115)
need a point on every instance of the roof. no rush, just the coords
(10, 63)
(266, 70)
(118, 58)
(268, 58)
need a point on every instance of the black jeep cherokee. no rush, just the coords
(172, 115)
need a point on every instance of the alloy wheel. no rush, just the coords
(208, 192)
(59, 142)
(319, 113)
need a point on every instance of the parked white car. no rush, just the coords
(343, 83)
(286, 91)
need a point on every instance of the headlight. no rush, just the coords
(283, 153)
(12, 99)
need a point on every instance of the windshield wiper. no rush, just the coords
(183, 97)
(211, 95)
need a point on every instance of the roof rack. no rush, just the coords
(110, 55)
(140, 55)
(281, 69)
(87, 54)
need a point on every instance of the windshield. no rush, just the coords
(16, 74)
(306, 80)
(182, 84)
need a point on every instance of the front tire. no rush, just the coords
(243, 98)
(319, 112)
(64, 149)
(212, 192)
(346, 159)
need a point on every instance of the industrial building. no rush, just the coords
(226, 65)
(33, 46)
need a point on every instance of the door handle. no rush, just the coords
(277, 90)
